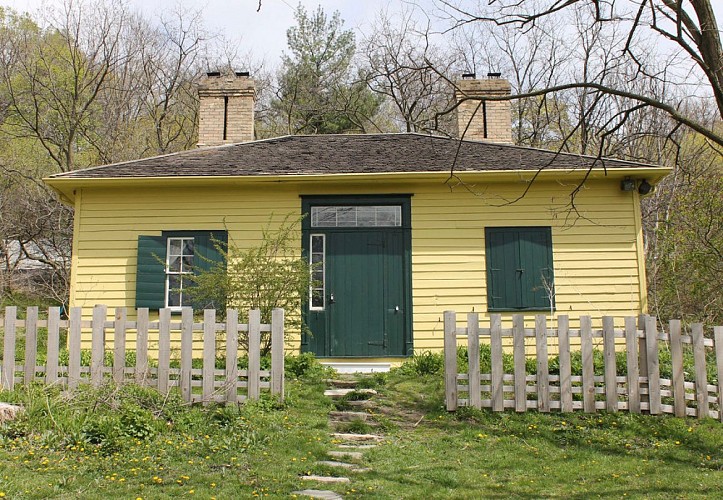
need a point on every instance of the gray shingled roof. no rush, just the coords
(341, 154)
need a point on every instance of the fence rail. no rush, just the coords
(641, 389)
(155, 353)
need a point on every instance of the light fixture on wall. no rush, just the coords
(627, 184)
(645, 187)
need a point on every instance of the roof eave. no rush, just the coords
(67, 186)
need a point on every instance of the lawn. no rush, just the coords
(133, 443)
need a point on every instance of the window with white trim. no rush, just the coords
(179, 268)
(317, 257)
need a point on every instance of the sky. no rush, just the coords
(263, 33)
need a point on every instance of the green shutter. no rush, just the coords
(151, 273)
(519, 268)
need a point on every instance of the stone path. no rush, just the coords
(348, 456)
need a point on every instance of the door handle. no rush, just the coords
(331, 298)
(396, 309)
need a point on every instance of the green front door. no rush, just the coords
(361, 305)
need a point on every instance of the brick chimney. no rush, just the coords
(492, 120)
(226, 111)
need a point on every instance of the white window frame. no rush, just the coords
(312, 288)
(170, 273)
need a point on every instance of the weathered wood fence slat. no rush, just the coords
(157, 346)
(641, 388)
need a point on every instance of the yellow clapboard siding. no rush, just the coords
(597, 261)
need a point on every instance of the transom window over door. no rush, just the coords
(356, 216)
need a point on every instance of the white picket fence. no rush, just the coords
(642, 389)
(156, 343)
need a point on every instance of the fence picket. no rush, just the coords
(588, 369)
(277, 352)
(31, 343)
(643, 363)
(142, 346)
(186, 353)
(611, 385)
(97, 345)
(563, 343)
(254, 356)
(518, 350)
(450, 360)
(231, 355)
(119, 345)
(475, 394)
(209, 354)
(651, 344)
(633, 369)
(676, 358)
(75, 322)
(8, 371)
(718, 339)
(543, 371)
(164, 349)
(498, 403)
(52, 358)
(701, 374)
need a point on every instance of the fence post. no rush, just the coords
(588, 367)
(119, 345)
(75, 324)
(498, 400)
(631, 341)
(701, 374)
(254, 353)
(718, 333)
(277, 353)
(543, 370)
(164, 349)
(31, 343)
(209, 354)
(643, 361)
(231, 355)
(611, 384)
(676, 359)
(186, 353)
(97, 345)
(518, 347)
(473, 373)
(651, 344)
(8, 371)
(52, 359)
(450, 360)
(142, 346)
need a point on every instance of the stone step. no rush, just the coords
(323, 494)
(326, 479)
(356, 437)
(342, 465)
(349, 455)
(355, 446)
(347, 416)
(340, 384)
(364, 403)
(340, 393)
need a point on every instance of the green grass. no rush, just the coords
(131, 442)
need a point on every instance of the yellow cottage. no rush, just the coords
(404, 226)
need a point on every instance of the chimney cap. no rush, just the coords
(494, 75)
(212, 74)
(469, 76)
(242, 73)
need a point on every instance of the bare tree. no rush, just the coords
(407, 69)
(688, 26)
